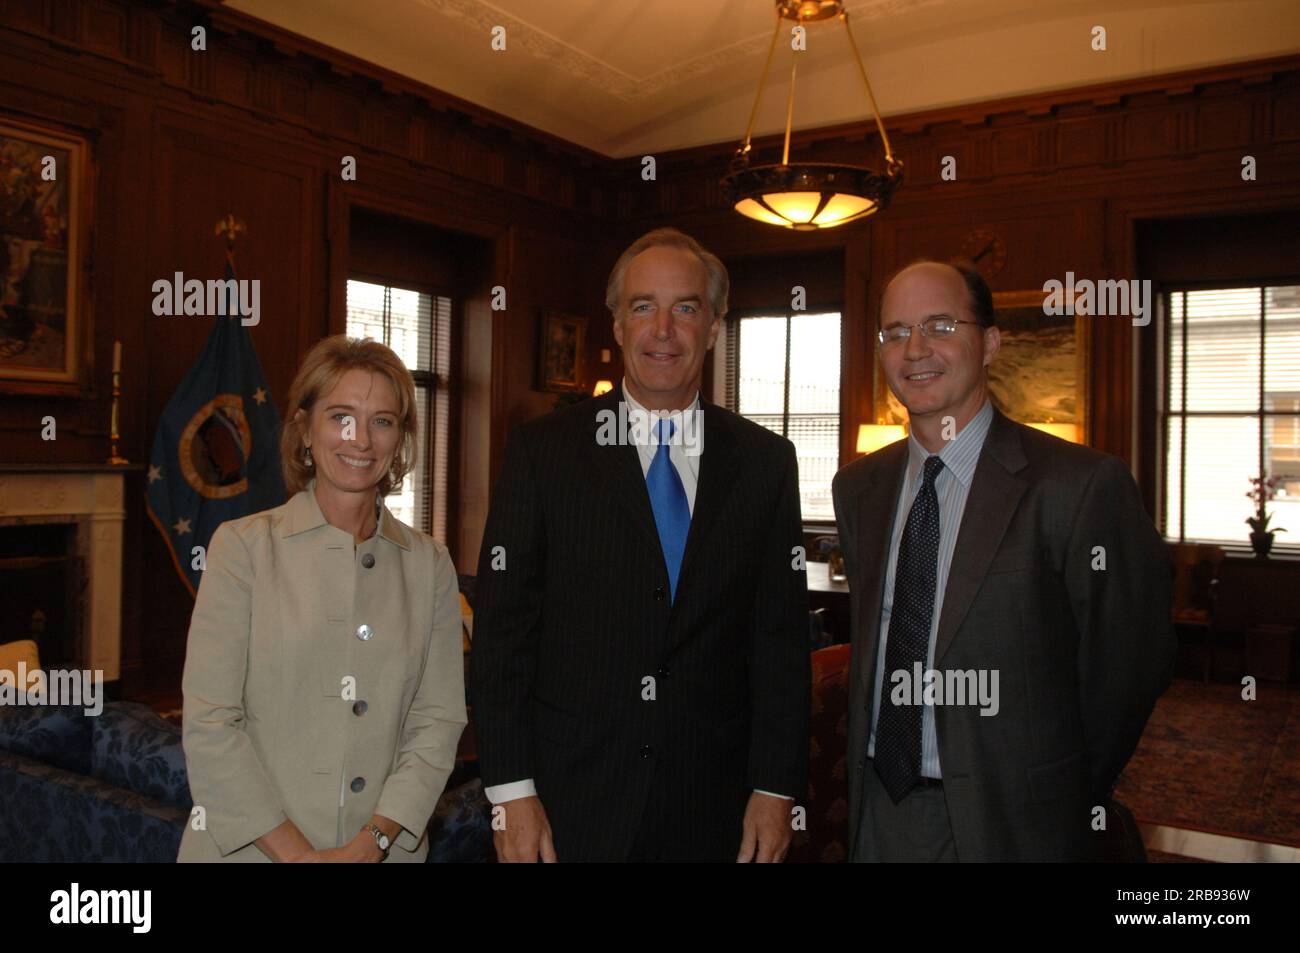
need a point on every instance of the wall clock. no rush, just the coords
(986, 250)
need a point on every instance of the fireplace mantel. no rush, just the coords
(69, 468)
(89, 494)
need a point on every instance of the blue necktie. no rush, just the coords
(898, 727)
(668, 501)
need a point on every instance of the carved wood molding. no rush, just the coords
(327, 95)
(1111, 133)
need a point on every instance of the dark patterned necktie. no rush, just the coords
(898, 727)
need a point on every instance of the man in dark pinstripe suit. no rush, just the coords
(640, 674)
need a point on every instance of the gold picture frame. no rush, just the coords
(46, 211)
(560, 349)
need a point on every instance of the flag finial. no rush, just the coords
(232, 227)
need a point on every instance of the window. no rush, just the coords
(1232, 410)
(418, 327)
(783, 372)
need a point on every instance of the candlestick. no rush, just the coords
(114, 458)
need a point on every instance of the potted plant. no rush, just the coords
(1261, 537)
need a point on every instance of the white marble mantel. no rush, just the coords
(89, 496)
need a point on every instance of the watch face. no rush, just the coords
(384, 842)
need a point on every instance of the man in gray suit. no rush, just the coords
(1010, 607)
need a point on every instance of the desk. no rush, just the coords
(819, 580)
(832, 598)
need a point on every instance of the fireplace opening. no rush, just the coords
(44, 581)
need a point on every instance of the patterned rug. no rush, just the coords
(1211, 761)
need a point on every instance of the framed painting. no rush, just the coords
(1040, 375)
(45, 216)
(559, 352)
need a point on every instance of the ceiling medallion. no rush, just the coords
(809, 196)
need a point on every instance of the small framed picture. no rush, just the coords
(45, 214)
(559, 352)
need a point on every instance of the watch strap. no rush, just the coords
(379, 836)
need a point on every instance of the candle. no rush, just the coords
(117, 357)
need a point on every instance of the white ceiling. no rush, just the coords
(634, 77)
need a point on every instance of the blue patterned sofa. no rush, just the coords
(110, 788)
(460, 831)
(113, 788)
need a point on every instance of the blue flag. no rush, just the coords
(216, 455)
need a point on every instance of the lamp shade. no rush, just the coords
(808, 196)
(602, 387)
(871, 437)
(1068, 432)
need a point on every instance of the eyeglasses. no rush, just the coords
(931, 328)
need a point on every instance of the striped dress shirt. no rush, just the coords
(952, 486)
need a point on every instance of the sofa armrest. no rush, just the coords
(51, 815)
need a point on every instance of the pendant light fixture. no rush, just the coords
(808, 196)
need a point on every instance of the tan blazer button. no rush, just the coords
(368, 560)
(358, 785)
(365, 633)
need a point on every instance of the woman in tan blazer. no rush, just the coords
(324, 681)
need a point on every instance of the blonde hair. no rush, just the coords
(320, 371)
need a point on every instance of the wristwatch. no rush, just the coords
(381, 839)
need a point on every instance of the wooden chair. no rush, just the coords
(825, 839)
(1196, 576)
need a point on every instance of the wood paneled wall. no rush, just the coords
(1064, 179)
(259, 124)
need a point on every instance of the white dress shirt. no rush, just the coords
(686, 464)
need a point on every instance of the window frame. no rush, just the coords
(731, 381)
(429, 379)
(1281, 548)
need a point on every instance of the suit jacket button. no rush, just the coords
(359, 708)
(365, 633)
(660, 593)
(368, 560)
(646, 751)
(358, 785)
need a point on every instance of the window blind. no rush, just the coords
(417, 326)
(783, 373)
(1232, 410)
